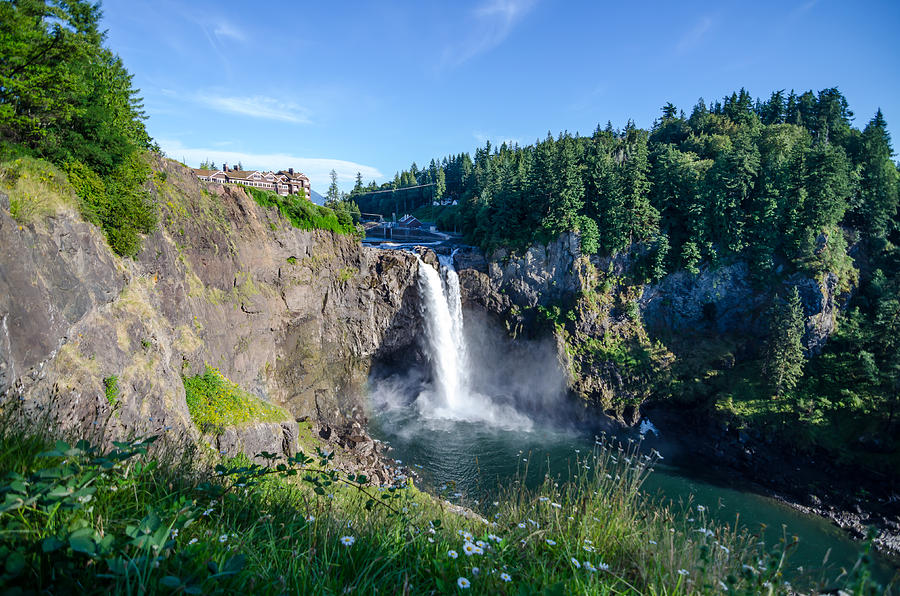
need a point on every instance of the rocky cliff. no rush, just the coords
(616, 334)
(295, 317)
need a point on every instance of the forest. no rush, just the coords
(787, 185)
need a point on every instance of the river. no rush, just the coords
(487, 405)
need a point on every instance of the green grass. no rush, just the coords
(74, 520)
(36, 189)
(215, 403)
(303, 213)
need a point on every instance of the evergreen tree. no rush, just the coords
(334, 194)
(878, 185)
(784, 355)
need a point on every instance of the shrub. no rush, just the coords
(215, 403)
(112, 389)
(304, 214)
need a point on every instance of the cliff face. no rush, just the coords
(294, 316)
(616, 336)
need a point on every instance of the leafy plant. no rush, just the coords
(214, 403)
(111, 385)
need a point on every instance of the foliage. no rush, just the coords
(111, 386)
(77, 520)
(304, 214)
(67, 99)
(215, 403)
(784, 355)
(36, 189)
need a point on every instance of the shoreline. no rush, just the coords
(796, 480)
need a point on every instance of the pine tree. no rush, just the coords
(334, 194)
(784, 356)
(878, 183)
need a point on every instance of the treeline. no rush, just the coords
(786, 184)
(769, 181)
(67, 99)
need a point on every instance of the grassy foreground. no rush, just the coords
(74, 520)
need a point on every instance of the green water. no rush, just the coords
(474, 457)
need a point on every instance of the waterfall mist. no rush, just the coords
(475, 372)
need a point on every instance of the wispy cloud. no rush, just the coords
(489, 25)
(225, 30)
(695, 35)
(317, 168)
(257, 106)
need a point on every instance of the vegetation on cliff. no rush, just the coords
(306, 215)
(215, 403)
(76, 519)
(786, 185)
(66, 98)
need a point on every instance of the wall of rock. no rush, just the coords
(293, 316)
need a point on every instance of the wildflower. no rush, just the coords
(496, 503)
(463, 583)
(192, 541)
(588, 548)
(452, 554)
(522, 526)
(475, 570)
(725, 548)
(723, 586)
(223, 537)
(575, 563)
(543, 499)
(470, 549)
(603, 566)
(310, 518)
(683, 572)
(551, 542)
(207, 512)
(494, 537)
(652, 542)
(480, 543)
(701, 508)
(175, 533)
(556, 505)
(505, 577)
(589, 567)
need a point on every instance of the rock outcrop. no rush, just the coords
(613, 331)
(295, 317)
(724, 301)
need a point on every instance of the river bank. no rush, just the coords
(813, 484)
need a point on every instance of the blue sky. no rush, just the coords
(372, 87)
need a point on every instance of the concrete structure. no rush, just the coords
(284, 182)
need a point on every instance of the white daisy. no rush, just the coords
(347, 540)
(463, 583)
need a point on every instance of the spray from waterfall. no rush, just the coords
(452, 395)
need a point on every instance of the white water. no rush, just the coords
(452, 396)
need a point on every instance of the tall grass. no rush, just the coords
(74, 520)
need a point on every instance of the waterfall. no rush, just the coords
(444, 328)
(452, 395)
